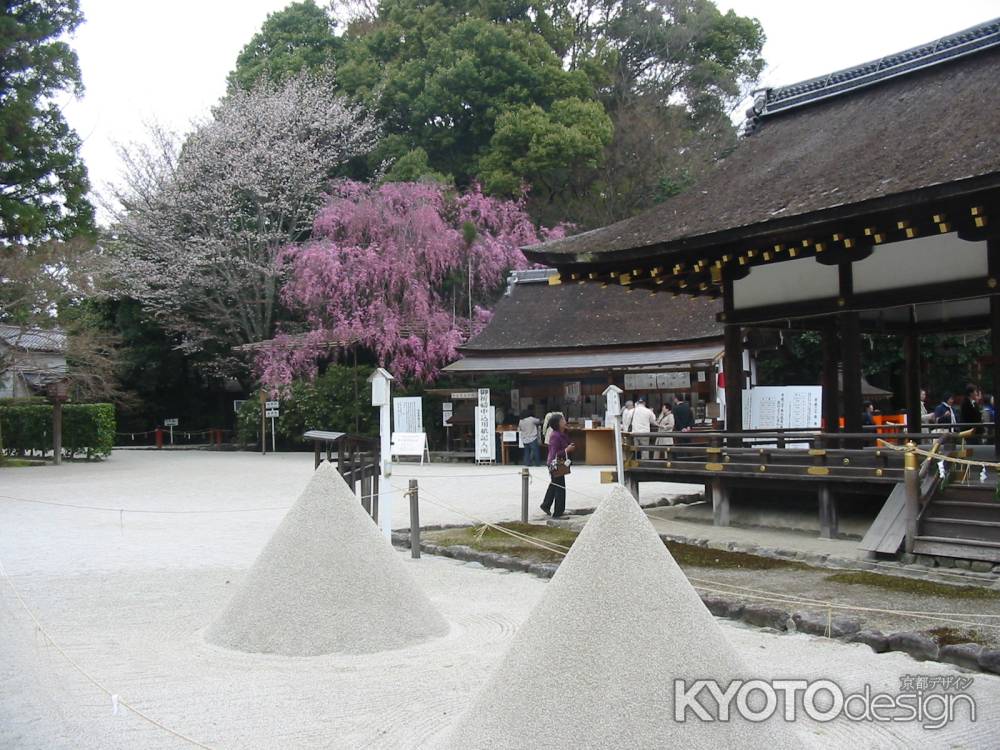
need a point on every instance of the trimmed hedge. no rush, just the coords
(88, 429)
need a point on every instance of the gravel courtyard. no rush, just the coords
(127, 595)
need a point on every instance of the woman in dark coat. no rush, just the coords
(554, 502)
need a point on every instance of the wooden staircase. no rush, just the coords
(961, 521)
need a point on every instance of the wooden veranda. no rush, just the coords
(867, 200)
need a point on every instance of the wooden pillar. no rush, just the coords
(993, 259)
(57, 430)
(911, 365)
(850, 354)
(828, 378)
(995, 349)
(720, 501)
(733, 368)
(828, 520)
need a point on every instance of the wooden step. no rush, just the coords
(960, 528)
(967, 549)
(963, 509)
(980, 493)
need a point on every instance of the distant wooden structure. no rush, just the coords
(358, 462)
(866, 200)
(562, 345)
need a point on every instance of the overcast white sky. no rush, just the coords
(146, 60)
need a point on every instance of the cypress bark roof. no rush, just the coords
(535, 315)
(855, 137)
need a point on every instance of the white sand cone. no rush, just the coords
(593, 665)
(326, 582)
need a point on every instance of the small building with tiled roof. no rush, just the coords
(563, 344)
(30, 358)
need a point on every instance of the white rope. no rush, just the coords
(116, 699)
(759, 594)
(138, 510)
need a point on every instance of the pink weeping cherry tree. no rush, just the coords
(406, 270)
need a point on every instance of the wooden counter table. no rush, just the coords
(594, 446)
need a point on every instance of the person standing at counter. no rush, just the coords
(627, 413)
(683, 418)
(643, 419)
(664, 423)
(528, 427)
(554, 502)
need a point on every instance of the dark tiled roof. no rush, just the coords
(932, 127)
(940, 50)
(535, 315)
(33, 339)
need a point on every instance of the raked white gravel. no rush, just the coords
(131, 608)
(327, 582)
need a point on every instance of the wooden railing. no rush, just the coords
(358, 461)
(793, 454)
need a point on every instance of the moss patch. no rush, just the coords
(18, 463)
(912, 586)
(487, 539)
(946, 636)
(706, 557)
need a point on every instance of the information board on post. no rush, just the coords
(408, 414)
(171, 423)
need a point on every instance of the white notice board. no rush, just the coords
(486, 428)
(410, 444)
(769, 407)
(407, 414)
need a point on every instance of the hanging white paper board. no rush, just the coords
(407, 414)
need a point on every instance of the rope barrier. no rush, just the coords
(139, 510)
(116, 699)
(940, 456)
(758, 594)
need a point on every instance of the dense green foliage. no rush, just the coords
(338, 400)
(88, 429)
(299, 37)
(948, 362)
(600, 109)
(43, 182)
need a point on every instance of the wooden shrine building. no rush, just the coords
(563, 345)
(866, 200)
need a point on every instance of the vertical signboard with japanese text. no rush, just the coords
(485, 428)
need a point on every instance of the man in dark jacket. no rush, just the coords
(683, 418)
(969, 413)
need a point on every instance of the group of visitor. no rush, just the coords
(968, 408)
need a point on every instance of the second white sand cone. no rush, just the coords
(593, 666)
(326, 582)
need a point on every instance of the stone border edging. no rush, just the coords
(982, 579)
(847, 628)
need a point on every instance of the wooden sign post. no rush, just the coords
(381, 385)
(613, 399)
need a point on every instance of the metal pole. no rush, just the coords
(263, 424)
(414, 521)
(171, 434)
(911, 478)
(525, 479)
(274, 437)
